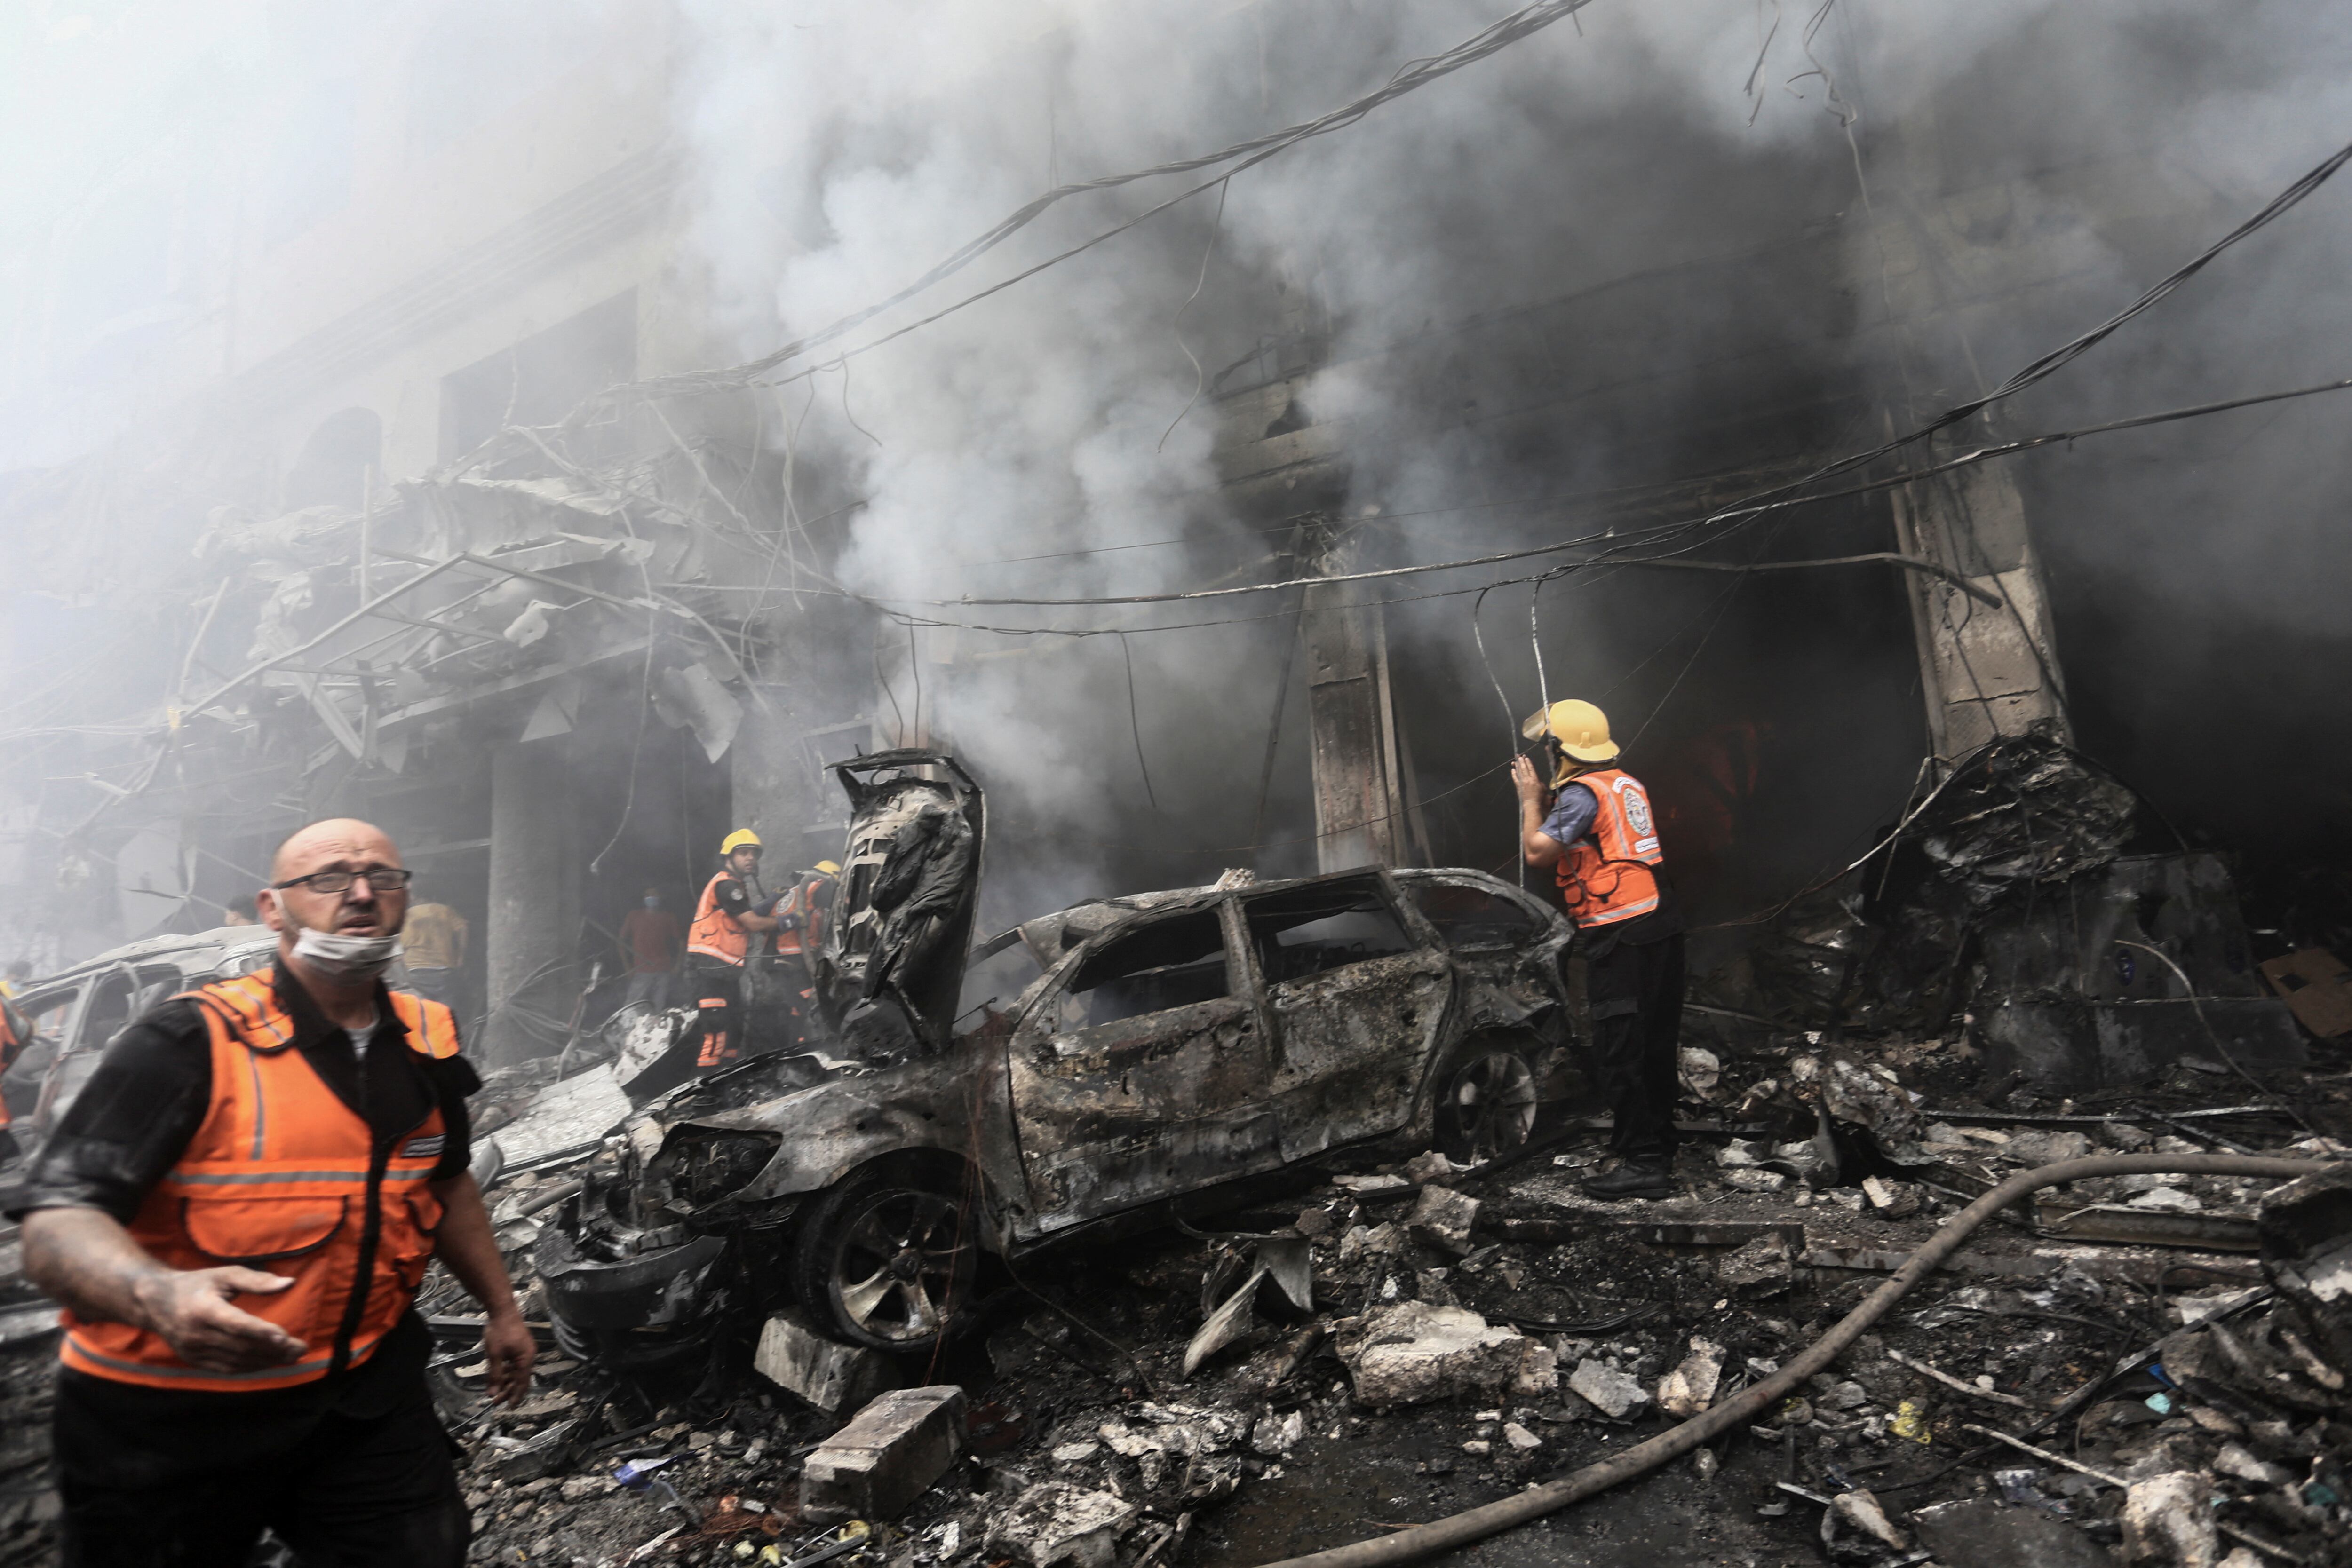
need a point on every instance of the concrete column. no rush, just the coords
(1360, 800)
(1985, 672)
(534, 904)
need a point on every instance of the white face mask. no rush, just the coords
(346, 957)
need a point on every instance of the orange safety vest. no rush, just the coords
(802, 901)
(280, 1176)
(715, 934)
(1605, 876)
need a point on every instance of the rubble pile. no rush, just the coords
(2144, 1370)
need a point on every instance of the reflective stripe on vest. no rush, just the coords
(715, 934)
(1605, 876)
(279, 1177)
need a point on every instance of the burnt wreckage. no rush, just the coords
(1175, 1053)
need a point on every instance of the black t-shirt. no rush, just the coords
(130, 1125)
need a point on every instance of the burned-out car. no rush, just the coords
(74, 1014)
(1179, 1051)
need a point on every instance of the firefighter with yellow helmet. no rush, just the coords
(733, 910)
(1594, 828)
(802, 915)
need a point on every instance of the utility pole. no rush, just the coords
(1986, 674)
(1366, 804)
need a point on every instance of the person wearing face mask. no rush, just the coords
(650, 941)
(236, 1213)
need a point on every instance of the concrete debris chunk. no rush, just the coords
(1852, 1093)
(1615, 1394)
(1690, 1387)
(1053, 1523)
(1432, 1166)
(2039, 1148)
(1412, 1352)
(2235, 1461)
(1894, 1199)
(1698, 1070)
(1754, 1179)
(887, 1457)
(1375, 1242)
(1985, 1533)
(831, 1376)
(1520, 1438)
(1275, 1436)
(1858, 1513)
(1443, 1218)
(2168, 1521)
(1759, 1268)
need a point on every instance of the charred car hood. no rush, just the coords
(892, 963)
(808, 1137)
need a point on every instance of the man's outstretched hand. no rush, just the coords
(191, 1309)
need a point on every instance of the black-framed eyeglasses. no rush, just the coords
(382, 879)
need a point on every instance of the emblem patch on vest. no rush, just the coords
(423, 1146)
(1637, 809)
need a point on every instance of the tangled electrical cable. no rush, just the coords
(1409, 78)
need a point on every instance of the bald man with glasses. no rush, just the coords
(236, 1213)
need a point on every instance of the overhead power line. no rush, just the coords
(1731, 514)
(1622, 555)
(1409, 77)
(1779, 496)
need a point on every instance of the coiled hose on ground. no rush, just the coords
(1462, 1528)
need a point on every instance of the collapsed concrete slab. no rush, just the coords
(830, 1375)
(886, 1457)
(1412, 1352)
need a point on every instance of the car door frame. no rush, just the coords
(1313, 1116)
(1236, 1141)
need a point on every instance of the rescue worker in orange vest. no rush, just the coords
(733, 911)
(800, 917)
(1595, 831)
(236, 1212)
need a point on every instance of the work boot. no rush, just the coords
(1632, 1179)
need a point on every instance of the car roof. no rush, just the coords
(191, 951)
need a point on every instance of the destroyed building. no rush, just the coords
(381, 442)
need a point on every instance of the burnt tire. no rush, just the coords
(1486, 1105)
(887, 1259)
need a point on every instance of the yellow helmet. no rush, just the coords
(830, 868)
(741, 839)
(1581, 729)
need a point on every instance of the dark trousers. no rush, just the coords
(351, 1493)
(1635, 990)
(717, 992)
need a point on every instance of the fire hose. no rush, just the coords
(1425, 1541)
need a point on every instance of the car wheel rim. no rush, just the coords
(1492, 1103)
(901, 1266)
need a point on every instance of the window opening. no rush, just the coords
(1313, 930)
(1171, 963)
